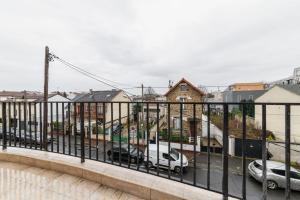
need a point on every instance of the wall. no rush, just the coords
(275, 114)
(120, 97)
(278, 152)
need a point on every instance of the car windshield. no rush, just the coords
(175, 154)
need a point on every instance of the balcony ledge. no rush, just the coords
(139, 184)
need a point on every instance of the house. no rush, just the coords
(21, 96)
(184, 91)
(242, 91)
(275, 114)
(215, 97)
(57, 110)
(291, 80)
(247, 86)
(94, 110)
(29, 105)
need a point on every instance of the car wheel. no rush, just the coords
(272, 185)
(132, 160)
(177, 169)
(149, 164)
(109, 155)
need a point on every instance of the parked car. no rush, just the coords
(24, 138)
(275, 174)
(164, 157)
(131, 153)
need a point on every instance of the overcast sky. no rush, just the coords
(151, 42)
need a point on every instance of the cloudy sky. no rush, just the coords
(216, 42)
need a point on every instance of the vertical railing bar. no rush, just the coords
(25, 123)
(208, 146)
(9, 123)
(30, 124)
(41, 128)
(137, 138)
(112, 131)
(15, 124)
(20, 118)
(69, 127)
(225, 153)
(4, 123)
(82, 134)
(169, 142)
(244, 151)
(128, 133)
(75, 128)
(195, 140)
(51, 124)
(264, 153)
(120, 132)
(35, 126)
(63, 126)
(104, 132)
(97, 132)
(89, 131)
(288, 151)
(157, 136)
(57, 128)
(181, 138)
(148, 134)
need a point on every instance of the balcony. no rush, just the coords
(200, 170)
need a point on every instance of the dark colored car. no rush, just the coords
(131, 153)
(35, 139)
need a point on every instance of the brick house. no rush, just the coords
(184, 91)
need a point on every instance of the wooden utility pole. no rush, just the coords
(46, 79)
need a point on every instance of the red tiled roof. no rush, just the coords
(187, 82)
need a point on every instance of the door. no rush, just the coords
(295, 180)
(164, 160)
(193, 128)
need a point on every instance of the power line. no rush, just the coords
(65, 62)
(88, 74)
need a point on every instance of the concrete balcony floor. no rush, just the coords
(24, 182)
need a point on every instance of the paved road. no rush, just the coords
(254, 189)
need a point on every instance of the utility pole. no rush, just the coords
(46, 79)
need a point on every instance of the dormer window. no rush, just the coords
(183, 87)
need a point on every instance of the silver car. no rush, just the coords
(275, 174)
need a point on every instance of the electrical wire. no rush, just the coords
(88, 74)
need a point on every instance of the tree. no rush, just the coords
(249, 107)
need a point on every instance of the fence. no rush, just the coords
(64, 131)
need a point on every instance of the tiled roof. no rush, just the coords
(292, 88)
(101, 96)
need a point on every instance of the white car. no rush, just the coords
(175, 158)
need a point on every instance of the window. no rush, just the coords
(183, 87)
(100, 109)
(182, 99)
(166, 156)
(239, 98)
(176, 123)
(295, 175)
(257, 165)
(278, 172)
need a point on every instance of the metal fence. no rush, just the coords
(124, 134)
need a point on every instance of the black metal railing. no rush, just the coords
(123, 136)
